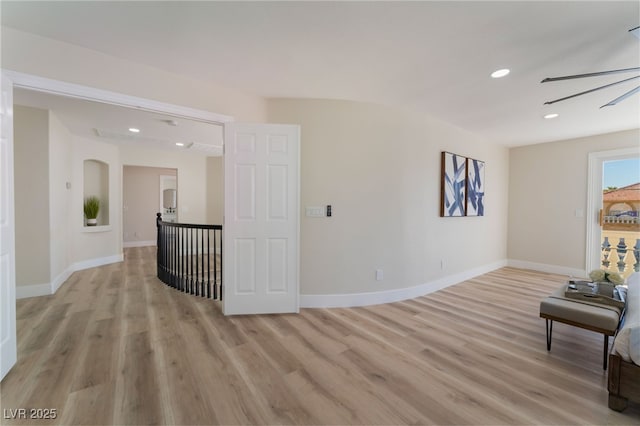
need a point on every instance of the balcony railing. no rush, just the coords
(190, 257)
(622, 257)
(625, 219)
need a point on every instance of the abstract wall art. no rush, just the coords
(453, 187)
(462, 187)
(475, 187)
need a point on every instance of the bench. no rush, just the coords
(587, 315)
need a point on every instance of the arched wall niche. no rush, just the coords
(96, 184)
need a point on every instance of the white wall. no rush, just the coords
(99, 244)
(215, 190)
(49, 58)
(60, 173)
(379, 168)
(31, 168)
(51, 240)
(548, 184)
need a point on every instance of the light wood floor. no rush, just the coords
(116, 346)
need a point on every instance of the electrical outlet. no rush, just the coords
(441, 264)
(379, 275)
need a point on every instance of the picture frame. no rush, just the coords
(475, 187)
(453, 185)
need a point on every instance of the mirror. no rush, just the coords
(169, 199)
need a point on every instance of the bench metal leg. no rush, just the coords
(549, 327)
(605, 350)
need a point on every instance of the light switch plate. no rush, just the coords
(315, 211)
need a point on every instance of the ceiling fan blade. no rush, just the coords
(591, 90)
(591, 74)
(622, 98)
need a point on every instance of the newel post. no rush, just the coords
(158, 243)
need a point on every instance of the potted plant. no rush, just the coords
(91, 208)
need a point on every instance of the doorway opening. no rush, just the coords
(145, 192)
(620, 223)
(613, 244)
(88, 123)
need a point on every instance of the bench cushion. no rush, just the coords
(600, 318)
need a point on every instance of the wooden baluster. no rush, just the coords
(183, 253)
(203, 282)
(171, 257)
(164, 253)
(167, 254)
(201, 270)
(197, 270)
(172, 260)
(158, 245)
(209, 263)
(176, 255)
(191, 283)
(183, 284)
(215, 263)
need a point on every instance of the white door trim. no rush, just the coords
(8, 339)
(41, 84)
(594, 199)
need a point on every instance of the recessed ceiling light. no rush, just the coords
(549, 116)
(179, 144)
(500, 73)
(134, 130)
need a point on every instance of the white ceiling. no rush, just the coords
(110, 124)
(433, 57)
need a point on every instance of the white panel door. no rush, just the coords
(8, 347)
(261, 218)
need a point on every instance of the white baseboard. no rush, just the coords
(543, 267)
(388, 296)
(35, 290)
(327, 300)
(147, 243)
(100, 261)
(60, 279)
